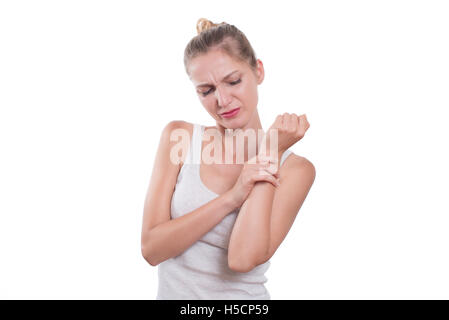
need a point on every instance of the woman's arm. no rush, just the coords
(250, 236)
(173, 237)
(163, 237)
(268, 214)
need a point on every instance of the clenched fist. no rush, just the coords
(291, 128)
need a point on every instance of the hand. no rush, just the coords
(291, 128)
(256, 169)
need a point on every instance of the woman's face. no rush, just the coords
(224, 84)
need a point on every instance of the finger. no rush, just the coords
(303, 126)
(272, 170)
(269, 163)
(262, 159)
(303, 118)
(260, 168)
(266, 177)
(270, 167)
(294, 123)
(288, 122)
(306, 121)
(285, 119)
(266, 159)
(261, 163)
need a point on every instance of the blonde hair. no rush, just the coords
(222, 36)
(204, 24)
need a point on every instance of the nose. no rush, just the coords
(222, 96)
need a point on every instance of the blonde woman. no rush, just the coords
(211, 228)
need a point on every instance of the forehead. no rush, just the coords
(212, 67)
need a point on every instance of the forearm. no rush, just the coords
(173, 237)
(250, 238)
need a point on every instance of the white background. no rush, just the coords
(87, 86)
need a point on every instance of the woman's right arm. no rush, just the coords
(162, 237)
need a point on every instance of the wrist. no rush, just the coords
(280, 153)
(230, 200)
(265, 147)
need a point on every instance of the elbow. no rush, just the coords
(148, 256)
(246, 263)
(240, 265)
(148, 250)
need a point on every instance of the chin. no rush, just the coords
(234, 124)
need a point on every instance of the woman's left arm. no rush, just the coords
(268, 214)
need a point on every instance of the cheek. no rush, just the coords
(248, 93)
(210, 108)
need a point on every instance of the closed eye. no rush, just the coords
(231, 83)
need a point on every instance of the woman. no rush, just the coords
(212, 228)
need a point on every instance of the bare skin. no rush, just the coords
(267, 210)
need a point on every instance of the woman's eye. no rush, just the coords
(232, 83)
(236, 82)
(206, 93)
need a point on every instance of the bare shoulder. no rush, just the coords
(171, 138)
(178, 124)
(296, 165)
(171, 128)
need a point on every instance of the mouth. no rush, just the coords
(230, 114)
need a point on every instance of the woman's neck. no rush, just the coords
(254, 125)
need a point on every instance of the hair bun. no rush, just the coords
(204, 24)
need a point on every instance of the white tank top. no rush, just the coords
(201, 272)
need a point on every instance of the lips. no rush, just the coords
(229, 112)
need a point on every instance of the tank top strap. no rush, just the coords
(285, 155)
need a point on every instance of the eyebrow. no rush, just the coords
(209, 85)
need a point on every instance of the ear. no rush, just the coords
(260, 71)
